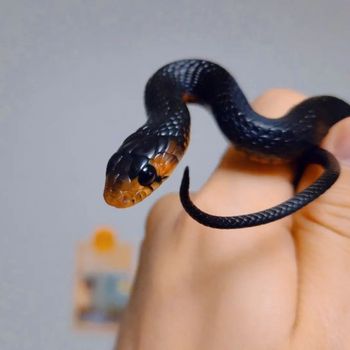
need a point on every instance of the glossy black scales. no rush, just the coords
(211, 85)
(293, 137)
(136, 152)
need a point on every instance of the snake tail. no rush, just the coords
(300, 200)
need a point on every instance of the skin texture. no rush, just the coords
(284, 285)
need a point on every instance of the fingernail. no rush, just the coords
(342, 142)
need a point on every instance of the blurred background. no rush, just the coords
(72, 74)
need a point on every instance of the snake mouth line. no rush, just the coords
(124, 194)
(123, 199)
(118, 200)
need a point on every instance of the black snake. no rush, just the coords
(148, 156)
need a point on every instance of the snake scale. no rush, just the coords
(148, 156)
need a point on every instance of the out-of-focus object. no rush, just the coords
(102, 282)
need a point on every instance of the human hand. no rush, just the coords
(284, 285)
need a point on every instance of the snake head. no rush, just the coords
(138, 168)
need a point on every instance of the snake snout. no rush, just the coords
(124, 193)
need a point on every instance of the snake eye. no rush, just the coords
(147, 175)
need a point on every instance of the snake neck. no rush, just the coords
(206, 83)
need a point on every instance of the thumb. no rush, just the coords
(322, 236)
(332, 210)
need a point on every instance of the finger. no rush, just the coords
(261, 259)
(244, 277)
(322, 234)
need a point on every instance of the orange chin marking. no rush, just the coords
(188, 98)
(126, 193)
(165, 164)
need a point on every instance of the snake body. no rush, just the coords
(148, 156)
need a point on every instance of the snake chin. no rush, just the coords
(119, 200)
(126, 193)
